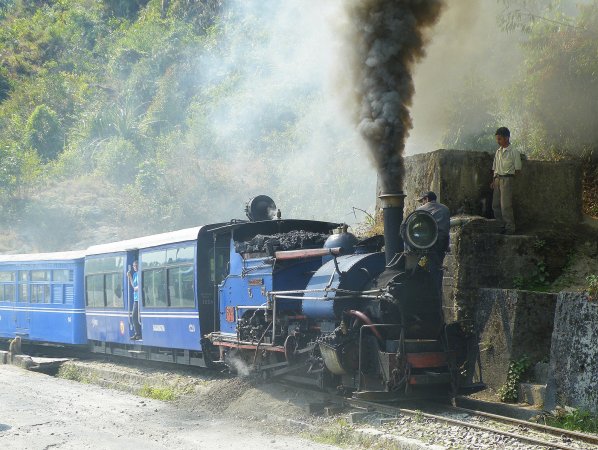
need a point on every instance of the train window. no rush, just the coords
(180, 255)
(94, 286)
(153, 259)
(154, 288)
(114, 290)
(219, 264)
(23, 293)
(7, 277)
(105, 264)
(9, 293)
(40, 275)
(23, 275)
(62, 275)
(180, 286)
(40, 293)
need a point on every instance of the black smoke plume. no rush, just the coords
(388, 39)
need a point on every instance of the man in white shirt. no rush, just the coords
(506, 165)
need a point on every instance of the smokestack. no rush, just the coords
(392, 210)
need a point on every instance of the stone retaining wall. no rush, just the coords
(512, 324)
(573, 377)
(546, 193)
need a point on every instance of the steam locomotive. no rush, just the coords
(299, 299)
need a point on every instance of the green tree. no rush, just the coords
(44, 133)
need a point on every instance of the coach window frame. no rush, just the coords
(8, 284)
(40, 291)
(163, 260)
(99, 267)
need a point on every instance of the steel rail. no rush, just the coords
(392, 410)
(537, 426)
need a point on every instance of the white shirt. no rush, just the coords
(506, 161)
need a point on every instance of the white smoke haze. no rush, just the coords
(240, 367)
(279, 60)
(469, 51)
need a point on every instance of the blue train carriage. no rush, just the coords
(263, 257)
(169, 311)
(41, 297)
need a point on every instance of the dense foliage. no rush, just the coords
(119, 118)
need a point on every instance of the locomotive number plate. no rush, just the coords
(230, 314)
(256, 282)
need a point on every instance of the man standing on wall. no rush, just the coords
(507, 164)
(442, 216)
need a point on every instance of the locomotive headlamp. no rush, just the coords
(420, 230)
(260, 208)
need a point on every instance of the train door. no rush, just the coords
(213, 256)
(134, 313)
(22, 305)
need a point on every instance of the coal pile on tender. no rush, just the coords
(293, 240)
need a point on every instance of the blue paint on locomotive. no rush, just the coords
(250, 280)
(243, 289)
(356, 271)
(41, 298)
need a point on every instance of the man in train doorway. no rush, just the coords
(507, 164)
(442, 216)
(134, 282)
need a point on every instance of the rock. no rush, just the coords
(573, 375)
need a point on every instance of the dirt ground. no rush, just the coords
(40, 412)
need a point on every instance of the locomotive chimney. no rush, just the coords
(392, 210)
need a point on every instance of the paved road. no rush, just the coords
(41, 412)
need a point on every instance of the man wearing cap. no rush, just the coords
(507, 164)
(442, 216)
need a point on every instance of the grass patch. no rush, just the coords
(74, 373)
(158, 393)
(340, 434)
(70, 372)
(573, 419)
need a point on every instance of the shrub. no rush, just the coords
(118, 160)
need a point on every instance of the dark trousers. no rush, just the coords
(135, 319)
(435, 261)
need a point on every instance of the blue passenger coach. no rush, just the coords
(41, 297)
(168, 306)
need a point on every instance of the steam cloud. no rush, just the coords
(388, 39)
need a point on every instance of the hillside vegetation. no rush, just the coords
(120, 118)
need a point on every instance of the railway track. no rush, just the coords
(520, 430)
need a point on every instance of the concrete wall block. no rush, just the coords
(4, 357)
(512, 324)
(573, 375)
(462, 181)
(532, 394)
